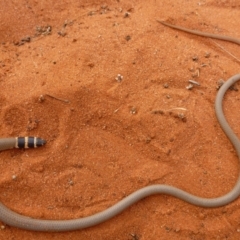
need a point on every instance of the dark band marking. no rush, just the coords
(20, 142)
(29, 142)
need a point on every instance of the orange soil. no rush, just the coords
(114, 137)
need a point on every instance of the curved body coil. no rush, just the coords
(14, 219)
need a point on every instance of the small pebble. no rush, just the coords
(119, 78)
(195, 58)
(26, 39)
(41, 98)
(189, 87)
(177, 229)
(133, 110)
(220, 82)
(126, 14)
(207, 54)
(71, 182)
(14, 177)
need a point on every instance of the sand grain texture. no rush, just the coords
(114, 137)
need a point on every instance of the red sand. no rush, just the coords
(115, 137)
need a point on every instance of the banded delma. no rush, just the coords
(21, 142)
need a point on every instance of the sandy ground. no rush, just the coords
(118, 133)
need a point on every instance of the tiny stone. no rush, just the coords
(194, 58)
(14, 177)
(207, 55)
(41, 98)
(119, 78)
(127, 14)
(189, 87)
(71, 182)
(165, 85)
(220, 82)
(168, 229)
(26, 39)
(133, 110)
(3, 227)
(182, 117)
(16, 43)
(62, 34)
(177, 229)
